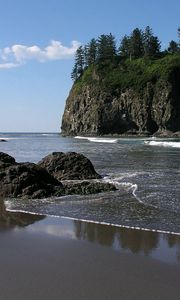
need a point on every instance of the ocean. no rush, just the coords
(146, 172)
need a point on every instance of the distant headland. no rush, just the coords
(132, 90)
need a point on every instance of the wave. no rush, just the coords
(128, 185)
(7, 138)
(94, 222)
(97, 140)
(47, 134)
(164, 144)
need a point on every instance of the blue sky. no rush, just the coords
(37, 49)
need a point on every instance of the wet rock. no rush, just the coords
(67, 166)
(26, 180)
(6, 159)
(87, 187)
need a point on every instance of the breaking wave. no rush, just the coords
(163, 144)
(97, 140)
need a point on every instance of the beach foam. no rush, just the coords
(163, 144)
(97, 140)
(94, 222)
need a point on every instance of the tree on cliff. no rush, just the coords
(106, 47)
(151, 43)
(79, 64)
(173, 47)
(136, 43)
(91, 52)
(124, 48)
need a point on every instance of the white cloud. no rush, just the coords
(8, 65)
(17, 55)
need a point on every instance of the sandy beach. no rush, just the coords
(56, 258)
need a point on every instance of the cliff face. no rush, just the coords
(93, 110)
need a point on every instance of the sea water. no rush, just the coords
(146, 172)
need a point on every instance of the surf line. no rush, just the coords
(95, 222)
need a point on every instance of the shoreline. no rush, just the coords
(95, 222)
(56, 258)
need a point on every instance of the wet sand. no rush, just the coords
(56, 258)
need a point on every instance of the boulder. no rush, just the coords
(26, 180)
(6, 159)
(67, 166)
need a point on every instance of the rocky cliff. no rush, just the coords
(96, 108)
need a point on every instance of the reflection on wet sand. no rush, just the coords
(135, 241)
(165, 247)
(9, 220)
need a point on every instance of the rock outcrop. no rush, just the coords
(67, 166)
(28, 180)
(93, 110)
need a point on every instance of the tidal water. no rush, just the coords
(146, 172)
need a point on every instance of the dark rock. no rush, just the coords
(26, 180)
(87, 187)
(6, 159)
(94, 110)
(67, 166)
(1, 140)
(167, 134)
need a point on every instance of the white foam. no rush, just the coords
(97, 140)
(129, 185)
(96, 222)
(164, 144)
(81, 137)
(7, 139)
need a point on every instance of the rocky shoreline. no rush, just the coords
(158, 134)
(45, 179)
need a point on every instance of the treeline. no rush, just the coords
(141, 43)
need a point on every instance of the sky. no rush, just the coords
(38, 40)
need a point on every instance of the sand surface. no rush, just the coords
(55, 258)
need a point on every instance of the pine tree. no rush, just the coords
(106, 47)
(92, 52)
(136, 43)
(125, 48)
(173, 47)
(74, 73)
(86, 50)
(151, 43)
(79, 64)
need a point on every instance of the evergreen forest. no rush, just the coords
(136, 60)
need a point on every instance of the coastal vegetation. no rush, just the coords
(133, 88)
(137, 60)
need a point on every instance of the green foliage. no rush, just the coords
(137, 62)
(106, 47)
(86, 78)
(92, 52)
(129, 73)
(136, 43)
(137, 73)
(173, 47)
